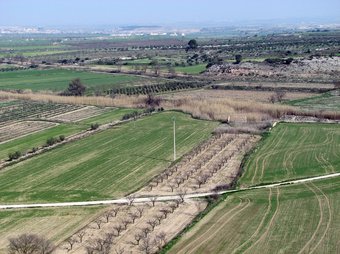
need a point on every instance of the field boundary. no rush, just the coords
(126, 200)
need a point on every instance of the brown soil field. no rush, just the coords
(146, 222)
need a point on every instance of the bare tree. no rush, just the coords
(181, 194)
(172, 187)
(29, 243)
(152, 223)
(145, 231)
(71, 241)
(173, 207)
(119, 228)
(131, 199)
(138, 237)
(161, 236)
(114, 211)
(146, 246)
(81, 235)
(125, 222)
(153, 200)
(107, 215)
(140, 211)
(159, 218)
(99, 222)
(165, 212)
(133, 216)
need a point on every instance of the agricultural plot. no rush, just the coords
(134, 228)
(294, 151)
(55, 224)
(194, 69)
(109, 164)
(328, 101)
(78, 115)
(58, 80)
(290, 219)
(21, 110)
(38, 139)
(213, 165)
(19, 129)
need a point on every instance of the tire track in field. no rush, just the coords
(202, 239)
(270, 223)
(290, 155)
(271, 153)
(329, 219)
(208, 230)
(259, 226)
(271, 146)
(319, 223)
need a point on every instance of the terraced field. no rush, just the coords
(290, 219)
(58, 80)
(294, 151)
(109, 164)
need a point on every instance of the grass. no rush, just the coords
(280, 220)
(326, 101)
(194, 69)
(39, 138)
(294, 151)
(54, 224)
(58, 80)
(109, 164)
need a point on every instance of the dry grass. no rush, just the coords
(203, 106)
(101, 101)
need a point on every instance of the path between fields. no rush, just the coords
(162, 198)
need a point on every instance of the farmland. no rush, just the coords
(64, 221)
(294, 151)
(58, 80)
(71, 173)
(292, 219)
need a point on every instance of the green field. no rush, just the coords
(109, 164)
(58, 80)
(54, 224)
(327, 101)
(39, 138)
(294, 151)
(194, 69)
(291, 219)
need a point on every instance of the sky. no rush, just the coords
(159, 12)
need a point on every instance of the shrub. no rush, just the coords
(61, 138)
(14, 156)
(94, 126)
(51, 141)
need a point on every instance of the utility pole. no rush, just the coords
(174, 120)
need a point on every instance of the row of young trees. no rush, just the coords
(148, 89)
(129, 215)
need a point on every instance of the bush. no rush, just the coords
(51, 141)
(94, 126)
(14, 156)
(61, 138)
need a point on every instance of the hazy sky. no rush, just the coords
(117, 12)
